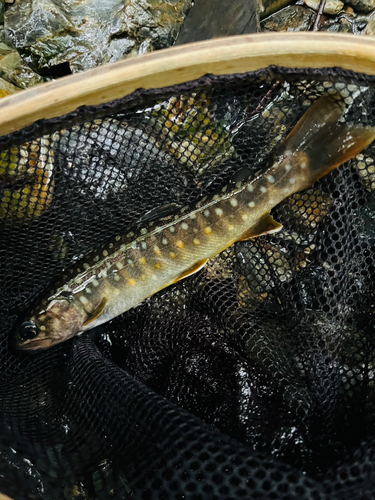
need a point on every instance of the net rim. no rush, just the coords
(175, 65)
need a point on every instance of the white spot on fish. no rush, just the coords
(288, 167)
(288, 153)
(252, 204)
(144, 245)
(110, 245)
(164, 241)
(292, 181)
(119, 265)
(103, 273)
(184, 226)
(85, 265)
(250, 188)
(116, 277)
(271, 179)
(130, 262)
(195, 230)
(118, 238)
(244, 217)
(172, 229)
(84, 300)
(122, 247)
(95, 282)
(219, 212)
(105, 253)
(263, 189)
(96, 258)
(88, 290)
(130, 235)
(193, 216)
(303, 164)
(206, 213)
(143, 230)
(233, 202)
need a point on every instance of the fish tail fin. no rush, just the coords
(320, 142)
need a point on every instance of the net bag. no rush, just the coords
(253, 378)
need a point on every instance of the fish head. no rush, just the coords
(60, 319)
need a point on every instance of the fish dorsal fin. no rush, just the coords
(265, 225)
(240, 175)
(193, 269)
(158, 213)
(96, 312)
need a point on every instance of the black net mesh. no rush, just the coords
(253, 378)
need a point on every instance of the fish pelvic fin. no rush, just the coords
(319, 142)
(96, 312)
(265, 225)
(193, 269)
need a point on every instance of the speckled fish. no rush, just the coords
(162, 250)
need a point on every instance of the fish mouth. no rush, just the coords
(31, 345)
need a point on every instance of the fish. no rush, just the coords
(159, 252)
(27, 180)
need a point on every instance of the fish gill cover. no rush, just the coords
(254, 377)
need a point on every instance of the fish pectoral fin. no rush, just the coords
(96, 312)
(193, 269)
(265, 225)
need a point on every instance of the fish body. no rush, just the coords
(131, 267)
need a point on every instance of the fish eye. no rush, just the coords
(28, 330)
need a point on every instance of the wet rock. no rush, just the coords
(332, 7)
(292, 18)
(14, 70)
(370, 28)
(361, 5)
(210, 19)
(342, 26)
(268, 7)
(7, 88)
(87, 33)
(347, 21)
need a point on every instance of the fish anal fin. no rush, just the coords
(265, 225)
(193, 269)
(96, 312)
